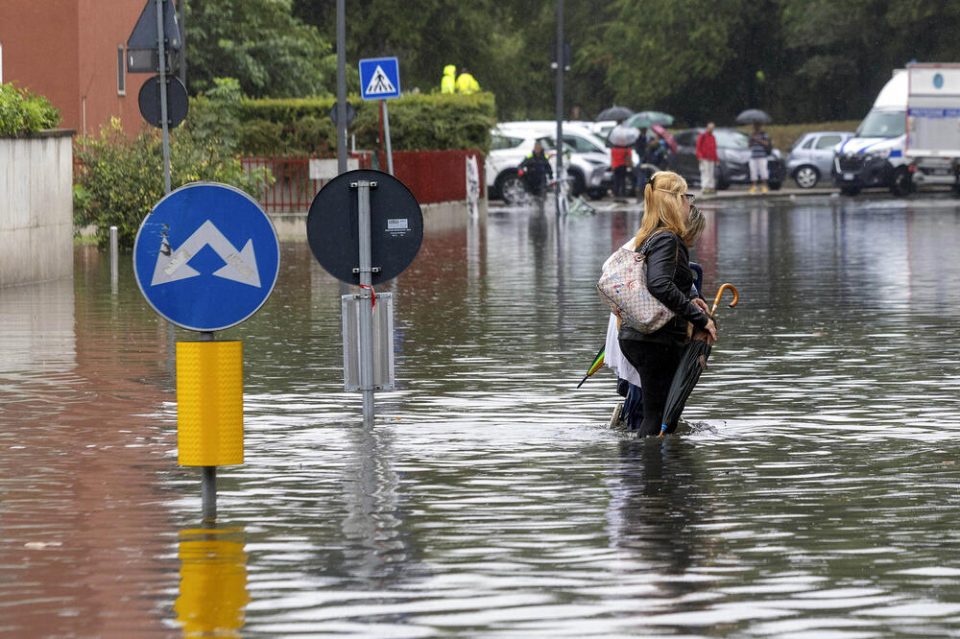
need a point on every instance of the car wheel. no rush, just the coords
(596, 194)
(511, 187)
(850, 190)
(806, 177)
(902, 184)
(578, 184)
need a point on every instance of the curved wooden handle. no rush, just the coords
(733, 302)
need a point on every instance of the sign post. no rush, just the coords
(365, 228)
(206, 258)
(380, 80)
(154, 37)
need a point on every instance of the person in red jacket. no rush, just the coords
(621, 159)
(708, 158)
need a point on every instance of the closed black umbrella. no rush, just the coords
(617, 113)
(753, 116)
(692, 363)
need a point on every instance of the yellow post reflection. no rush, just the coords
(213, 582)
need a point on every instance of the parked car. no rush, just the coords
(585, 157)
(734, 151)
(811, 156)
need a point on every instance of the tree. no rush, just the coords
(261, 44)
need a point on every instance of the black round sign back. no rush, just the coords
(149, 100)
(396, 226)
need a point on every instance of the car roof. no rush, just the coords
(545, 128)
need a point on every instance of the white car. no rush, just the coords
(586, 159)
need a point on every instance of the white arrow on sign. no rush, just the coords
(241, 266)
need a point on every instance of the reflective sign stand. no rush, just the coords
(366, 292)
(209, 410)
(364, 344)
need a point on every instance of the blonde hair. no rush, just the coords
(695, 225)
(663, 206)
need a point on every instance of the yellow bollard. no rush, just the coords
(210, 403)
(213, 582)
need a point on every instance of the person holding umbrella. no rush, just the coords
(667, 230)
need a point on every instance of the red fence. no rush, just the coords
(435, 176)
(293, 189)
(432, 176)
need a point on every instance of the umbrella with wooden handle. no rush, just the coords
(692, 363)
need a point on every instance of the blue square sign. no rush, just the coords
(379, 78)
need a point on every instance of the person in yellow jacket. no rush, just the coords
(449, 82)
(466, 83)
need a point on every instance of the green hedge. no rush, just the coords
(120, 180)
(303, 126)
(22, 113)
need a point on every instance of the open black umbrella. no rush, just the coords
(753, 116)
(692, 363)
(617, 113)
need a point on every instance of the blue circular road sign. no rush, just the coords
(206, 257)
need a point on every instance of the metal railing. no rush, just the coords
(293, 188)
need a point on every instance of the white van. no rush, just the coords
(933, 123)
(874, 156)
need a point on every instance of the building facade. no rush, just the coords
(72, 52)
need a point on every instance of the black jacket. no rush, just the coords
(669, 279)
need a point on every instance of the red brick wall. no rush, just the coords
(66, 50)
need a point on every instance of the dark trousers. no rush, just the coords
(656, 364)
(620, 181)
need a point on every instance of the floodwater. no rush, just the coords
(813, 492)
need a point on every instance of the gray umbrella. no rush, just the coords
(617, 113)
(752, 116)
(623, 135)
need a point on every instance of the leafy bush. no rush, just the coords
(432, 122)
(417, 122)
(22, 112)
(119, 180)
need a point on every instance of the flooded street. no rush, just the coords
(813, 492)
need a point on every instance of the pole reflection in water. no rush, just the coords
(213, 582)
(376, 551)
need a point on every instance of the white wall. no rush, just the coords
(36, 208)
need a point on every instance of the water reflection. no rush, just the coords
(377, 549)
(213, 582)
(814, 495)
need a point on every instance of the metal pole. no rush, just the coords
(366, 314)
(208, 481)
(341, 88)
(560, 63)
(183, 43)
(114, 259)
(163, 97)
(386, 134)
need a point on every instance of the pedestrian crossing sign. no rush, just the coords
(379, 78)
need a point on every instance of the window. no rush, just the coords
(686, 139)
(828, 141)
(883, 124)
(498, 141)
(121, 78)
(809, 143)
(582, 145)
(729, 139)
